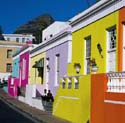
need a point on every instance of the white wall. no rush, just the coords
(4, 75)
(54, 29)
(13, 37)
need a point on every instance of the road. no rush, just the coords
(9, 115)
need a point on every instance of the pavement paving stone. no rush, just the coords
(40, 115)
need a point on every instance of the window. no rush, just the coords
(57, 65)
(47, 72)
(9, 53)
(111, 49)
(23, 69)
(87, 54)
(8, 67)
(17, 39)
(51, 35)
(112, 38)
(23, 40)
(8, 39)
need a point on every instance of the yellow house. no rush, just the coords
(37, 74)
(6, 52)
(94, 50)
(35, 78)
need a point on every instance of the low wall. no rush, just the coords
(106, 107)
(73, 104)
(98, 87)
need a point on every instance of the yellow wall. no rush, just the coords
(3, 58)
(78, 110)
(97, 30)
(74, 104)
(33, 79)
(4, 46)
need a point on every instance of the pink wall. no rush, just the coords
(13, 86)
(24, 68)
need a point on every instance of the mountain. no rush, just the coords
(35, 27)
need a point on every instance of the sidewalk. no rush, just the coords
(37, 114)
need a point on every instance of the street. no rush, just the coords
(8, 114)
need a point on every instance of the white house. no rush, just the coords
(21, 38)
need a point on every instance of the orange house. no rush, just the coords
(108, 90)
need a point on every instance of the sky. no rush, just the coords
(15, 13)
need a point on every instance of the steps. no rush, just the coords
(48, 106)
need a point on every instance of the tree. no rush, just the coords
(97, 1)
(1, 33)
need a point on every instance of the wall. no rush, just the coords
(120, 39)
(3, 58)
(12, 37)
(54, 29)
(106, 107)
(97, 30)
(32, 79)
(98, 88)
(74, 104)
(12, 86)
(114, 108)
(62, 49)
(24, 65)
(15, 68)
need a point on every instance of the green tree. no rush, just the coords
(97, 1)
(1, 33)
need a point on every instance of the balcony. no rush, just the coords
(70, 82)
(116, 82)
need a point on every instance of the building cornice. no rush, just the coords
(97, 11)
(51, 41)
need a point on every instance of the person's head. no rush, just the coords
(45, 90)
(49, 91)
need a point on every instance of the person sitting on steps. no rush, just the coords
(44, 97)
(50, 97)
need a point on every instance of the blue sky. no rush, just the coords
(15, 13)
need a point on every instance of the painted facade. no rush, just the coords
(13, 80)
(96, 43)
(21, 38)
(54, 43)
(37, 77)
(24, 68)
(20, 75)
(15, 68)
(42, 72)
(85, 72)
(7, 49)
(57, 54)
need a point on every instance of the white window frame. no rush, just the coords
(57, 69)
(23, 69)
(47, 72)
(87, 58)
(110, 49)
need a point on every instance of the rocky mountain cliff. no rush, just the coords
(35, 27)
